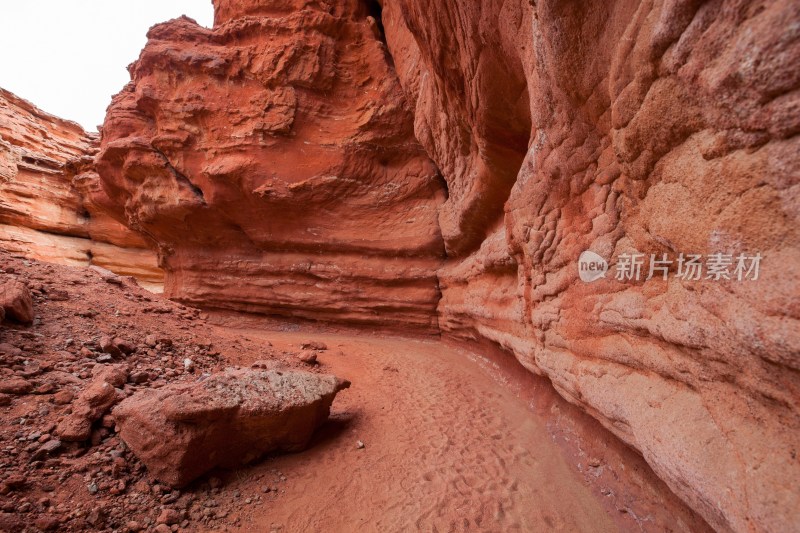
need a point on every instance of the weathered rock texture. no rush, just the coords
(273, 160)
(16, 301)
(93, 402)
(657, 126)
(182, 431)
(50, 197)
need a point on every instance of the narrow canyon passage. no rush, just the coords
(446, 449)
(583, 216)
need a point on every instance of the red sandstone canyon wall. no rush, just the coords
(660, 127)
(51, 200)
(287, 162)
(273, 160)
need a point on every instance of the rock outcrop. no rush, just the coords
(661, 127)
(51, 200)
(273, 160)
(182, 431)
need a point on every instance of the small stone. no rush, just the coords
(107, 275)
(169, 517)
(134, 526)
(63, 397)
(308, 357)
(96, 517)
(314, 345)
(47, 523)
(140, 377)
(12, 483)
(108, 346)
(360, 445)
(57, 295)
(10, 349)
(45, 388)
(117, 489)
(92, 488)
(16, 300)
(46, 449)
(124, 346)
(15, 385)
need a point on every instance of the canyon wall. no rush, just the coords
(51, 199)
(288, 162)
(659, 127)
(274, 161)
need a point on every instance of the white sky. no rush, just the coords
(69, 57)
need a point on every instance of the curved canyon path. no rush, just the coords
(448, 446)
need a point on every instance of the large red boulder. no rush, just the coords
(182, 431)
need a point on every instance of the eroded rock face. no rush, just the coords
(657, 127)
(273, 160)
(182, 431)
(51, 200)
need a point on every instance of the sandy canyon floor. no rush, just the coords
(452, 437)
(454, 440)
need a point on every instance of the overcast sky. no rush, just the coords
(69, 57)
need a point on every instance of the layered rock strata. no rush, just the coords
(273, 160)
(51, 200)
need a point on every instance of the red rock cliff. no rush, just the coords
(621, 126)
(273, 160)
(51, 200)
(284, 169)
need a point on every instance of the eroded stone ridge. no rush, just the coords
(273, 160)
